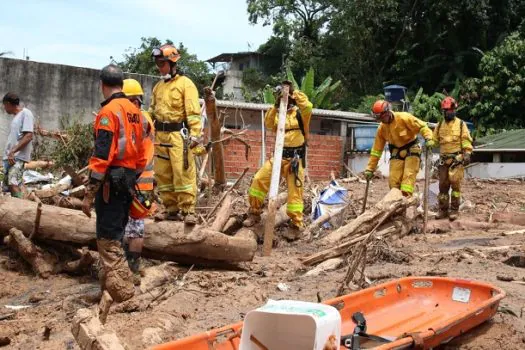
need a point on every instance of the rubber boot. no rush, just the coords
(443, 199)
(251, 220)
(293, 232)
(454, 208)
(168, 216)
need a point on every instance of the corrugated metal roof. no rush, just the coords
(507, 140)
(227, 57)
(335, 115)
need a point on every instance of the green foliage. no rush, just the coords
(138, 60)
(74, 150)
(79, 146)
(427, 107)
(497, 99)
(321, 96)
(366, 102)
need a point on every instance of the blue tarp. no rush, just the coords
(331, 198)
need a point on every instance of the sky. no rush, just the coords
(86, 33)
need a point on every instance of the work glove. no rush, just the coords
(430, 143)
(369, 175)
(466, 158)
(458, 159)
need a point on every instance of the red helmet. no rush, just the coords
(381, 106)
(449, 103)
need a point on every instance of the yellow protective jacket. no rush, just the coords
(293, 136)
(453, 137)
(177, 101)
(402, 130)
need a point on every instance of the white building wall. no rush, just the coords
(496, 170)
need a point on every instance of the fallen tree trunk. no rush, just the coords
(163, 240)
(321, 220)
(510, 218)
(42, 262)
(441, 226)
(366, 221)
(38, 164)
(223, 214)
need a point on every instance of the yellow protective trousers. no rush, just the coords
(450, 178)
(261, 184)
(403, 172)
(177, 186)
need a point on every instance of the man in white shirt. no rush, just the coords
(19, 143)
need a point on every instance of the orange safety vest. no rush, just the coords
(145, 182)
(119, 132)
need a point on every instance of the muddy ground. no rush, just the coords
(212, 298)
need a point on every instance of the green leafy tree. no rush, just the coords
(320, 96)
(138, 60)
(496, 99)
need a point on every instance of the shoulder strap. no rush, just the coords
(438, 127)
(300, 122)
(461, 134)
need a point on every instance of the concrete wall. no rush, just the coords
(52, 91)
(496, 170)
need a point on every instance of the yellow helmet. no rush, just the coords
(132, 87)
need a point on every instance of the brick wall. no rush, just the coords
(324, 154)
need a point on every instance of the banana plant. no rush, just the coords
(320, 96)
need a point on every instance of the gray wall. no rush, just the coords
(52, 91)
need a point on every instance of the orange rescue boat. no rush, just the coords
(412, 312)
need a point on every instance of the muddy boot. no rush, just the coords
(293, 232)
(190, 219)
(251, 220)
(118, 279)
(133, 259)
(104, 306)
(454, 208)
(443, 206)
(168, 216)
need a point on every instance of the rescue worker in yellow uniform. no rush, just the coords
(455, 146)
(400, 130)
(293, 162)
(175, 111)
(143, 200)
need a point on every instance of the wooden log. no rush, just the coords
(366, 221)
(276, 173)
(511, 233)
(68, 202)
(52, 191)
(164, 240)
(215, 133)
(78, 192)
(441, 226)
(223, 214)
(75, 178)
(320, 221)
(510, 218)
(43, 263)
(342, 248)
(89, 333)
(87, 258)
(38, 164)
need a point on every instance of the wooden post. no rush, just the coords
(263, 138)
(276, 174)
(344, 129)
(215, 127)
(428, 154)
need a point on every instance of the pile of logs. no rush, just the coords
(386, 220)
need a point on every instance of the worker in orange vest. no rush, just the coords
(400, 130)
(143, 200)
(455, 146)
(117, 161)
